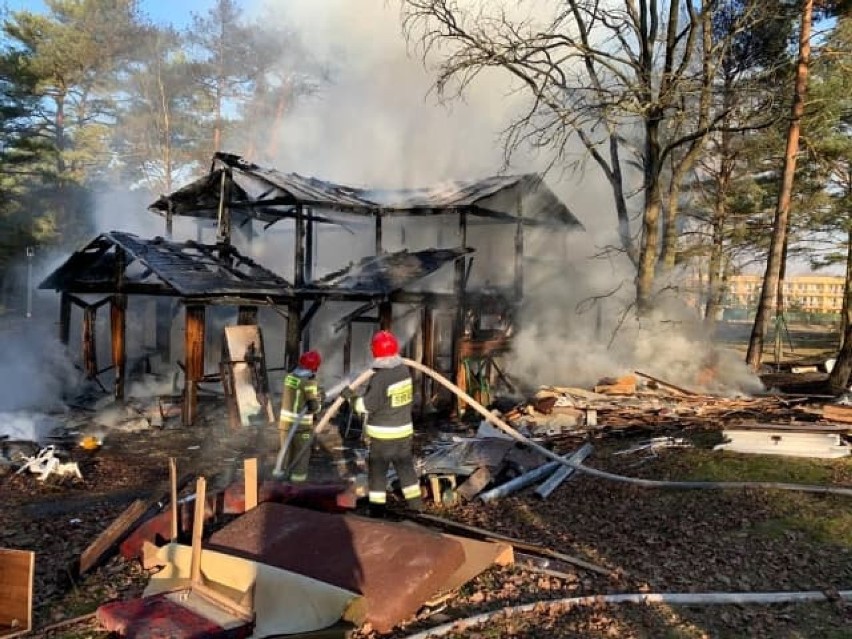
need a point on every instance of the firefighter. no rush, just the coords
(386, 406)
(301, 393)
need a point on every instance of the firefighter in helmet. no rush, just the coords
(386, 406)
(300, 401)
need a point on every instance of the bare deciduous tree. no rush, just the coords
(631, 80)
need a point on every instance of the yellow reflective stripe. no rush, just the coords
(291, 381)
(410, 492)
(401, 393)
(377, 497)
(359, 406)
(390, 432)
(289, 417)
(295, 477)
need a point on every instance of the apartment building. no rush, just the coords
(810, 293)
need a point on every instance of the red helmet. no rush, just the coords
(310, 360)
(384, 344)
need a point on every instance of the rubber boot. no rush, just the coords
(415, 505)
(377, 511)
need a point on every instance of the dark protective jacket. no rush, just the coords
(300, 390)
(387, 401)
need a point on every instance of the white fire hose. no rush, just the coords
(675, 598)
(594, 472)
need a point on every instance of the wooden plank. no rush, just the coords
(475, 483)
(837, 413)
(109, 540)
(17, 568)
(250, 477)
(661, 382)
(114, 534)
(173, 498)
(198, 530)
(239, 610)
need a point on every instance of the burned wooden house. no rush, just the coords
(244, 200)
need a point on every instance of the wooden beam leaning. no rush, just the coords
(173, 501)
(198, 530)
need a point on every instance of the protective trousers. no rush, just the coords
(383, 453)
(299, 450)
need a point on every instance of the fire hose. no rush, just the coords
(684, 599)
(594, 472)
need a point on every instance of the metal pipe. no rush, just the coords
(519, 483)
(563, 473)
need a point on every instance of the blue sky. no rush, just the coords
(176, 12)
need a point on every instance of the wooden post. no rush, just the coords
(379, 247)
(250, 479)
(385, 315)
(223, 222)
(198, 530)
(64, 319)
(194, 355)
(428, 334)
(247, 315)
(169, 219)
(294, 334)
(347, 350)
(117, 316)
(299, 248)
(519, 256)
(459, 290)
(309, 250)
(173, 492)
(163, 327)
(90, 352)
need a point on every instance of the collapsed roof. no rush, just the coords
(267, 195)
(119, 262)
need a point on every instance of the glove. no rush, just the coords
(313, 406)
(347, 393)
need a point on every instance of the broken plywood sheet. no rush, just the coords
(246, 362)
(285, 602)
(396, 567)
(783, 442)
(17, 568)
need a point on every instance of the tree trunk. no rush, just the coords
(714, 275)
(838, 380)
(59, 134)
(782, 212)
(650, 219)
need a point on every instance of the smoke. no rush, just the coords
(377, 124)
(35, 369)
